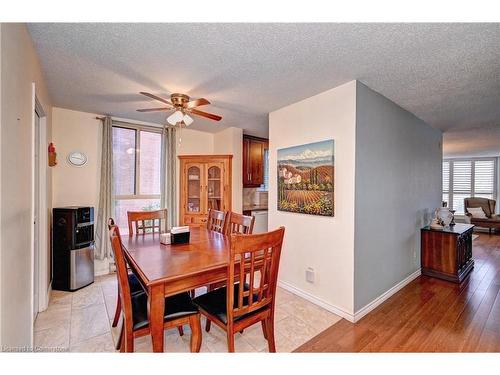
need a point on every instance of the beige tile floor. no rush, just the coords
(81, 322)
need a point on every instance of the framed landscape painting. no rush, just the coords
(305, 178)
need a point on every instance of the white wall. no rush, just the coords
(77, 186)
(76, 131)
(230, 142)
(191, 142)
(20, 68)
(398, 185)
(324, 243)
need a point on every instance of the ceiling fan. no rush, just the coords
(182, 107)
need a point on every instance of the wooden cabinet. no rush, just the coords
(205, 182)
(253, 160)
(447, 253)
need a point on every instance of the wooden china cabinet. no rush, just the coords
(205, 182)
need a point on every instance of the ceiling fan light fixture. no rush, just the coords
(188, 120)
(175, 117)
(180, 103)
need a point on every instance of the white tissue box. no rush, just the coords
(176, 230)
(165, 238)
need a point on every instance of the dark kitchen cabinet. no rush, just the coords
(253, 160)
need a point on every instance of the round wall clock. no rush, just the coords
(77, 158)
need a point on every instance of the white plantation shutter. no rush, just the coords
(446, 182)
(461, 184)
(468, 178)
(446, 176)
(484, 178)
(462, 177)
(458, 202)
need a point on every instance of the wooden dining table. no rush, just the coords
(165, 270)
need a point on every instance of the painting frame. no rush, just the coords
(305, 180)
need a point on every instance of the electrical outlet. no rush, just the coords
(310, 275)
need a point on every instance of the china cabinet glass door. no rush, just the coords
(215, 187)
(194, 188)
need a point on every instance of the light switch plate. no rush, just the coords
(310, 275)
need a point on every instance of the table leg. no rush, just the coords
(156, 308)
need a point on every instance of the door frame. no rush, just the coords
(43, 228)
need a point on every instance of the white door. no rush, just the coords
(36, 214)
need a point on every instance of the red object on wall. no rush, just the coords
(52, 155)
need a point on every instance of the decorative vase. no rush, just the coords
(444, 215)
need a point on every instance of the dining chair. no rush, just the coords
(133, 282)
(146, 221)
(238, 223)
(234, 223)
(179, 309)
(216, 220)
(246, 301)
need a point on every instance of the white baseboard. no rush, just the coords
(47, 299)
(384, 296)
(49, 292)
(356, 317)
(317, 301)
(101, 267)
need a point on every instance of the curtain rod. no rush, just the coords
(140, 123)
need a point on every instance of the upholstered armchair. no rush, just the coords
(491, 220)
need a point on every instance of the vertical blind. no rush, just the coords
(468, 178)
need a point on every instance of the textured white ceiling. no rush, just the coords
(446, 74)
(472, 142)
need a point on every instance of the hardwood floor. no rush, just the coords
(429, 315)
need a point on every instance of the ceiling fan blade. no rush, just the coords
(163, 109)
(155, 97)
(205, 114)
(196, 103)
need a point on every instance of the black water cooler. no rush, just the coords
(72, 247)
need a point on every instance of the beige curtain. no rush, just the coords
(105, 209)
(169, 179)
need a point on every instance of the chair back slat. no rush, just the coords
(252, 278)
(238, 223)
(216, 220)
(240, 290)
(264, 273)
(146, 221)
(250, 254)
(122, 273)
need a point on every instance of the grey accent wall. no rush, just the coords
(398, 185)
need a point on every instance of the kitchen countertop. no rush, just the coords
(255, 207)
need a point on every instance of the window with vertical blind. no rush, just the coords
(468, 178)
